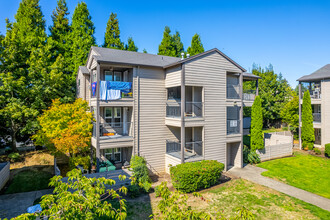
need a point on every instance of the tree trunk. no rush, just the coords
(13, 142)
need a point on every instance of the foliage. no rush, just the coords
(327, 150)
(130, 46)
(307, 129)
(82, 198)
(189, 177)
(196, 46)
(274, 92)
(304, 171)
(79, 160)
(140, 171)
(247, 140)
(66, 128)
(145, 51)
(290, 112)
(257, 141)
(167, 46)
(29, 180)
(134, 191)
(243, 213)
(112, 34)
(317, 151)
(253, 157)
(81, 36)
(14, 157)
(178, 45)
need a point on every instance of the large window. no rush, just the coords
(174, 93)
(112, 116)
(112, 75)
(113, 155)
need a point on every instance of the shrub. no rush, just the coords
(133, 191)
(317, 151)
(79, 160)
(253, 157)
(327, 150)
(189, 177)
(14, 157)
(246, 152)
(307, 129)
(310, 146)
(140, 171)
(257, 137)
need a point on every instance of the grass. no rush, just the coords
(263, 202)
(303, 171)
(28, 180)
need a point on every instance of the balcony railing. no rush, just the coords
(193, 109)
(114, 129)
(249, 95)
(317, 117)
(233, 91)
(126, 93)
(233, 126)
(192, 149)
(314, 93)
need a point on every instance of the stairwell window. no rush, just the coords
(112, 115)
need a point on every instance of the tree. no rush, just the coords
(130, 46)
(112, 34)
(307, 129)
(145, 51)
(81, 37)
(66, 129)
(290, 112)
(80, 197)
(257, 139)
(196, 46)
(167, 46)
(178, 44)
(16, 101)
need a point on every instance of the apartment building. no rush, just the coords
(169, 110)
(318, 84)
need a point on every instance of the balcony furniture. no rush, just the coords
(106, 165)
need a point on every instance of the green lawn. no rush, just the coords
(29, 180)
(304, 171)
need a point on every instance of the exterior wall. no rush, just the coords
(170, 161)
(173, 76)
(325, 112)
(4, 174)
(210, 72)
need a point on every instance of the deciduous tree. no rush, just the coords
(257, 138)
(307, 129)
(112, 34)
(196, 46)
(290, 112)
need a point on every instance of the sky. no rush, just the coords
(292, 35)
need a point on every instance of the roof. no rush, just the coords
(84, 70)
(204, 53)
(322, 73)
(250, 76)
(132, 58)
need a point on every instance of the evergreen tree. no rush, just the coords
(196, 46)
(307, 129)
(145, 51)
(60, 30)
(178, 44)
(23, 37)
(167, 46)
(130, 46)
(112, 34)
(257, 139)
(81, 37)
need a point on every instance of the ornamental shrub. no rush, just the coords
(189, 177)
(317, 151)
(140, 173)
(307, 129)
(253, 157)
(327, 150)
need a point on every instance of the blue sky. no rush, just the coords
(294, 36)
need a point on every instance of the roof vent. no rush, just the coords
(188, 55)
(182, 56)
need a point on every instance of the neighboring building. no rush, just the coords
(193, 104)
(318, 84)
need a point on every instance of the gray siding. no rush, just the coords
(210, 72)
(173, 76)
(325, 112)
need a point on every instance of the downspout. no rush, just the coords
(97, 111)
(183, 110)
(241, 117)
(257, 87)
(138, 113)
(300, 144)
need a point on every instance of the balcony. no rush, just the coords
(193, 109)
(317, 117)
(106, 87)
(192, 151)
(233, 91)
(249, 95)
(113, 130)
(233, 127)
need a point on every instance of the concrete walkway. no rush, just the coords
(253, 174)
(12, 205)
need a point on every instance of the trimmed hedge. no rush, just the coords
(327, 150)
(189, 177)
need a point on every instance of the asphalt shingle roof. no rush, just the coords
(84, 70)
(322, 73)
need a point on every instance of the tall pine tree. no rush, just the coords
(257, 139)
(196, 46)
(112, 34)
(307, 129)
(167, 46)
(81, 37)
(130, 46)
(178, 44)
(23, 37)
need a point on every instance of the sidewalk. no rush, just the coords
(12, 205)
(253, 174)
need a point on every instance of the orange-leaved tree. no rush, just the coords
(66, 128)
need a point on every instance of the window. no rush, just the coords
(78, 89)
(174, 93)
(113, 116)
(94, 76)
(112, 76)
(113, 155)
